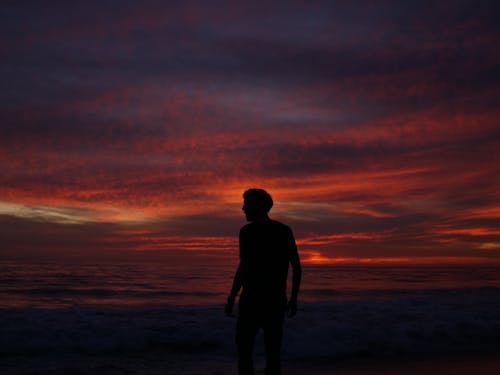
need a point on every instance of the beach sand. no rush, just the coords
(476, 364)
(156, 364)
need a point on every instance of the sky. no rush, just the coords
(137, 125)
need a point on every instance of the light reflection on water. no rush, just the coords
(55, 285)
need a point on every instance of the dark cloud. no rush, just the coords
(385, 112)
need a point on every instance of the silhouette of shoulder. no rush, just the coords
(270, 224)
(267, 238)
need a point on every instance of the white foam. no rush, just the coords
(449, 321)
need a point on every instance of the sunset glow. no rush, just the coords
(138, 129)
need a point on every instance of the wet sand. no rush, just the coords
(156, 364)
(465, 365)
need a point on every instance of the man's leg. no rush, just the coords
(246, 330)
(273, 334)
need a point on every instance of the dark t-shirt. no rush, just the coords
(266, 249)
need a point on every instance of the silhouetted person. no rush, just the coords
(266, 249)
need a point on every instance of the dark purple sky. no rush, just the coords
(137, 125)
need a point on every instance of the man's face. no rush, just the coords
(250, 209)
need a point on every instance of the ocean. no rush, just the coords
(56, 314)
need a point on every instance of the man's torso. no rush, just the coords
(265, 248)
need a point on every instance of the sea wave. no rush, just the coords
(106, 292)
(442, 321)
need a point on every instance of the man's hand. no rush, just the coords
(291, 308)
(229, 306)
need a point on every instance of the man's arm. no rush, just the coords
(296, 279)
(237, 284)
(238, 276)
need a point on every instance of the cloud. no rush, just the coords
(361, 121)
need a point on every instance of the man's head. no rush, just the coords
(257, 204)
